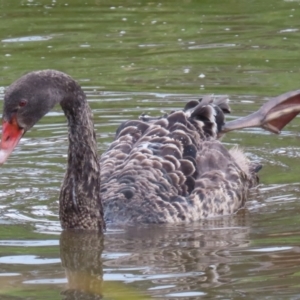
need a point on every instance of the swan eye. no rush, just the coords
(22, 102)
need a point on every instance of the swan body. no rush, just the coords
(157, 170)
(173, 169)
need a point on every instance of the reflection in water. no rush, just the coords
(180, 261)
(81, 257)
(169, 260)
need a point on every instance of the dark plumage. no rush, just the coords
(157, 170)
(173, 183)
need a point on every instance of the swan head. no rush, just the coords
(26, 101)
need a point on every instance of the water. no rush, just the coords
(139, 56)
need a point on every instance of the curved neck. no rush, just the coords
(80, 202)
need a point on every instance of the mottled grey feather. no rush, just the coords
(179, 171)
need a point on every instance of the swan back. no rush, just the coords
(173, 168)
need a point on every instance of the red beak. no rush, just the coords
(11, 135)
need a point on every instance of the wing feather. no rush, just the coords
(172, 168)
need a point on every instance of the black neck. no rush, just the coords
(80, 202)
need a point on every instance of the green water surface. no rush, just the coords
(152, 56)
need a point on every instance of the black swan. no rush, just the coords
(157, 170)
